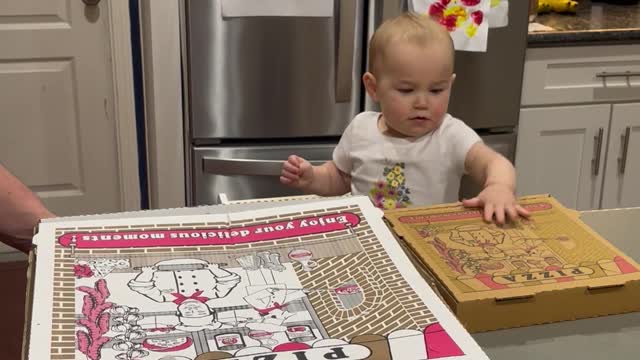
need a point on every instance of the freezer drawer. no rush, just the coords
(247, 172)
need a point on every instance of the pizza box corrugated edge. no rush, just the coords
(26, 331)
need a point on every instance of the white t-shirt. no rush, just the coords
(396, 172)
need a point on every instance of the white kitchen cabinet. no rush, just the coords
(579, 107)
(560, 151)
(581, 74)
(622, 174)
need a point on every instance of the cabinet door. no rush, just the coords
(561, 151)
(622, 174)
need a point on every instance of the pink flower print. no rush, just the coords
(477, 17)
(470, 2)
(436, 9)
(82, 271)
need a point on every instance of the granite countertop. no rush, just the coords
(594, 22)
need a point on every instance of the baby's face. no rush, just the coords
(413, 85)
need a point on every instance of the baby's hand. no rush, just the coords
(498, 200)
(297, 172)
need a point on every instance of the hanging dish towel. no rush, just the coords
(466, 20)
(498, 14)
(298, 8)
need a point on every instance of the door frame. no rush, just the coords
(124, 104)
(161, 59)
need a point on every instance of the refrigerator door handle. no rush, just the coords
(345, 49)
(221, 166)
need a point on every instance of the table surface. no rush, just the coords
(608, 337)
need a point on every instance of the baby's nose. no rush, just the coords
(421, 101)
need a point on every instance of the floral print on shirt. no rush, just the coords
(391, 192)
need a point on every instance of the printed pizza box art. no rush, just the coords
(549, 267)
(324, 280)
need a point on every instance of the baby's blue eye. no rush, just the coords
(405, 90)
(437, 91)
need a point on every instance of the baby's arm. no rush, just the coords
(498, 177)
(324, 180)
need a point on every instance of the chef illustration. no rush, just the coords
(195, 315)
(271, 304)
(179, 280)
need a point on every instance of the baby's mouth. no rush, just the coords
(419, 118)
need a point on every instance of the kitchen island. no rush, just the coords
(594, 22)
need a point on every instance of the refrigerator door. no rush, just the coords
(503, 144)
(488, 85)
(486, 92)
(248, 172)
(273, 77)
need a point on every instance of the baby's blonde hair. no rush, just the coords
(414, 28)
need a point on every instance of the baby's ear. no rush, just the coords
(370, 85)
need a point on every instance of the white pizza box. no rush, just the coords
(64, 244)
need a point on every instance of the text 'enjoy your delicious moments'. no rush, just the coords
(214, 236)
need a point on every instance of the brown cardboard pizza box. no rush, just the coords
(550, 267)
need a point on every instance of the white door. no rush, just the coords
(57, 128)
(561, 151)
(622, 176)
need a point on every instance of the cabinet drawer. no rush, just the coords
(581, 74)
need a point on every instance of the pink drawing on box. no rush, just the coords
(348, 290)
(153, 347)
(487, 280)
(439, 344)
(221, 236)
(303, 256)
(82, 271)
(96, 320)
(624, 265)
(292, 346)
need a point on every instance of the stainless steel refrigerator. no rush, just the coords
(261, 88)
